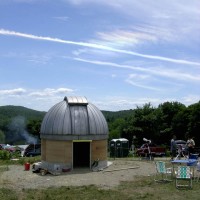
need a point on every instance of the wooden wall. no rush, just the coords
(99, 150)
(57, 151)
(61, 151)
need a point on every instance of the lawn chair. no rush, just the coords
(198, 170)
(163, 172)
(183, 174)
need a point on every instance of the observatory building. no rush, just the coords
(74, 134)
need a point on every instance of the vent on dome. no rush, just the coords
(76, 100)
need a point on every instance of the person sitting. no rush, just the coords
(190, 144)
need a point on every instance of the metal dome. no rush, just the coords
(74, 119)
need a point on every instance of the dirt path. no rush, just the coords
(17, 178)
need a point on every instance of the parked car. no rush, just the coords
(154, 150)
(10, 148)
(181, 145)
(23, 148)
(32, 150)
(37, 152)
(2, 146)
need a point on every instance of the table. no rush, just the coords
(189, 162)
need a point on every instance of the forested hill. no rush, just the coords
(7, 112)
(113, 115)
(19, 124)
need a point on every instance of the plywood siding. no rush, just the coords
(99, 150)
(57, 151)
(43, 149)
(61, 151)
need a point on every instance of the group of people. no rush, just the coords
(189, 147)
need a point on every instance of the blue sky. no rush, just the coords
(119, 54)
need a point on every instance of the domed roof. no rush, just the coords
(74, 119)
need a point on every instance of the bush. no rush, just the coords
(5, 155)
(16, 154)
(30, 160)
(168, 153)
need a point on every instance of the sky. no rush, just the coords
(119, 54)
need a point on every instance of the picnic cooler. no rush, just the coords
(194, 156)
(192, 162)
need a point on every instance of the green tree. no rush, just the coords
(2, 137)
(143, 123)
(33, 126)
(180, 124)
(116, 128)
(194, 122)
(167, 112)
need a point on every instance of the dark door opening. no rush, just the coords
(81, 154)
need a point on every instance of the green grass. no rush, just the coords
(8, 194)
(3, 168)
(140, 188)
(143, 188)
(20, 161)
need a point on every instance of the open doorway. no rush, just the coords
(81, 154)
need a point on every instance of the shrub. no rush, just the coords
(5, 155)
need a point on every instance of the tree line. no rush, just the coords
(155, 123)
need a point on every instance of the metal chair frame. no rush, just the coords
(198, 170)
(183, 173)
(163, 171)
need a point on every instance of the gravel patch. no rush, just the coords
(17, 178)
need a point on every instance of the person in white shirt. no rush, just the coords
(190, 145)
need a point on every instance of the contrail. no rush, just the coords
(96, 46)
(164, 73)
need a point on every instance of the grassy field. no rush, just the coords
(140, 188)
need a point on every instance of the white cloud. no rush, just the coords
(124, 38)
(44, 99)
(37, 99)
(94, 52)
(176, 20)
(190, 99)
(17, 91)
(98, 46)
(35, 58)
(116, 103)
(160, 34)
(142, 81)
(148, 8)
(50, 92)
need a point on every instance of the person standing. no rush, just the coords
(173, 147)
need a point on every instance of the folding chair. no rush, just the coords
(183, 174)
(163, 172)
(198, 171)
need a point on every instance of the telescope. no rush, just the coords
(146, 140)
